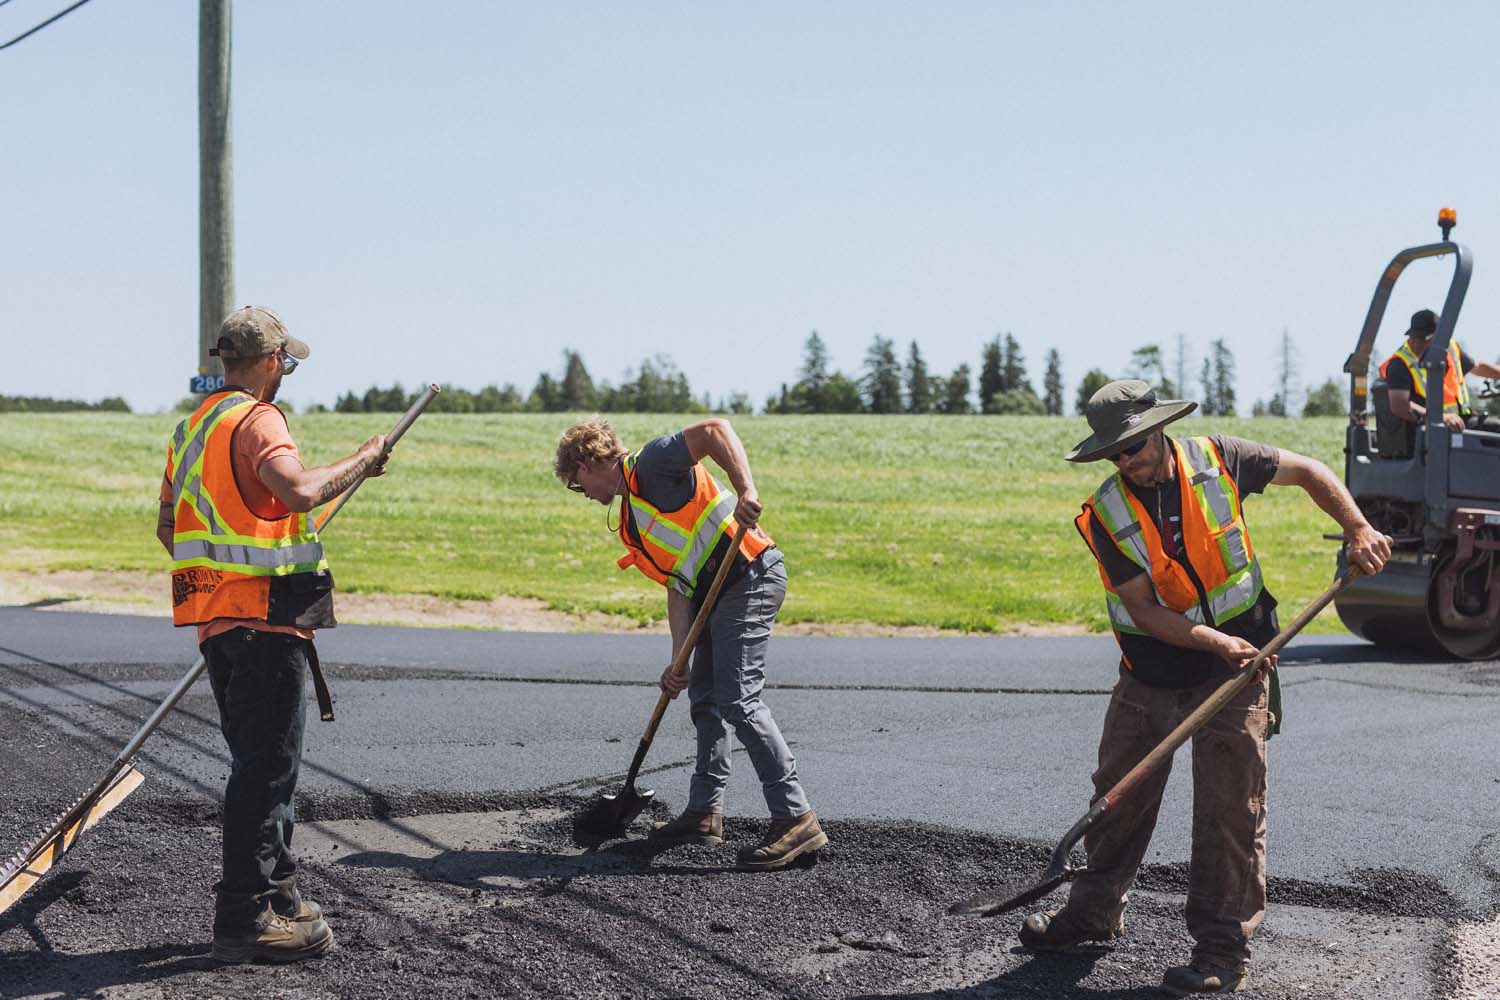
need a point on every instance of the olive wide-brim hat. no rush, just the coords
(1122, 413)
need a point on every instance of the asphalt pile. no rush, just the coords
(128, 915)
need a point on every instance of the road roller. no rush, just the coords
(1435, 492)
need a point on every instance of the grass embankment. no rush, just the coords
(954, 522)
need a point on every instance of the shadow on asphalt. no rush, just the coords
(471, 868)
(1308, 653)
(80, 976)
(1053, 976)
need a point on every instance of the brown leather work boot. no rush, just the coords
(273, 938)
(785, 840)
(305, 910)
(1057, 930)
(692, 827)
(1204, 976)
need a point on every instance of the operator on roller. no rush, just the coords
(1406, 381)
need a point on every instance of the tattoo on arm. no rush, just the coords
(344, 480)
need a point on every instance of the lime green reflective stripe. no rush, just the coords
(251, 560)
(706, 532)
(188, 443)
(1419, 375)
(650, 524)
(1120, 521)
(1236, 595)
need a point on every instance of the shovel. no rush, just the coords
(610, 815)
(1016, 894)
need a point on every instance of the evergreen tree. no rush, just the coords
(546, 395)
(1149, 363)
(1327, 400)
(991, 376)
(1052, 385)
(955, 395)
(577, 387)
(1208, 403)
(882, 380)
(1013, 367)
(1223, 378)
(918, 383)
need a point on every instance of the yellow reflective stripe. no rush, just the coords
(1119, 520)
(251, 560)
(190, 460)
(706, 532)
(650, 524)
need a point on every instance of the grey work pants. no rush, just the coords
(1226, 899)
(729, 671)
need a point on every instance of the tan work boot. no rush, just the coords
(297, 908)
(692, 827)
(785, 840)
(1057, 930)
(1204, 976)
(274, 938)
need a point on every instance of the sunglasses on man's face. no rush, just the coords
(574, 484)
(1132, 450)
(288, 363)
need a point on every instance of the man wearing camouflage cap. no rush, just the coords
(248, 571)
(1189, 608)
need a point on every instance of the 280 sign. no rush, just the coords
(205, 383)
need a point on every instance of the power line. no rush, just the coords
(32, 31)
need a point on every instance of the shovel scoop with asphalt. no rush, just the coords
(1013, 895)
(611, 815)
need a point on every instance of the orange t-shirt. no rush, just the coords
(260, 437)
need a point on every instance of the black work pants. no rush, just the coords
(257, 679)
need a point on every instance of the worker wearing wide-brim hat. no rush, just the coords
(1189, 607)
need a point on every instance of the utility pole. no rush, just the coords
(215, 189)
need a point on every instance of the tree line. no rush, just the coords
(46, 404)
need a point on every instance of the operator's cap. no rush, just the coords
(254, 332)
(1423, 324)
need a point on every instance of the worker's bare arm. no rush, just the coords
(302, 489)
(1485, 369)
(680, 619)
(1403, 407)
(1169, 626)
(715, 438)
(165, 523)
(1368, 548)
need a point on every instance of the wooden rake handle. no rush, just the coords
(685, 651)
(1223, 696)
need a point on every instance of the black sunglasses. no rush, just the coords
(1132, 450)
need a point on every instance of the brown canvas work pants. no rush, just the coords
(1226, 898)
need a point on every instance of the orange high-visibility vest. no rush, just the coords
(225, 557)
(674, 545)
(1215, 542)
(1455, 389)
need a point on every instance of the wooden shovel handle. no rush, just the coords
(685, 651)
(1221, 697)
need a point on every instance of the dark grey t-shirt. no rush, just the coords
(664, 472)
(1251, 465)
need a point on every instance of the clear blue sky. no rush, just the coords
(458, 192)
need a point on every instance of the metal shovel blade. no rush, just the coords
(611, 815)
(1011, 895)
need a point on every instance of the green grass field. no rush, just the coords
(955, 522)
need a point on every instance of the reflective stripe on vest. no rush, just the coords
(1455, 386)
(1216, 515)
(675, 546)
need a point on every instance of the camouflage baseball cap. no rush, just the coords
(254, 332)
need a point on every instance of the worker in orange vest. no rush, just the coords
(248, 572)
(1406, 381)
(1189, 607)
(676, 524)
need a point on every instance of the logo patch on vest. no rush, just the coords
(194, 580)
